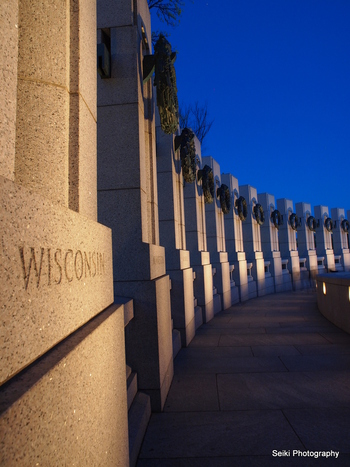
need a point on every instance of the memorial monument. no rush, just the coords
(196, 241)
(288, 240)
(252, 239)
(214, 219)
(62, 339)
(234, 237)
(127, 192)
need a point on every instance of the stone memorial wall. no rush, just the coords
(108, 254)
(62, 363)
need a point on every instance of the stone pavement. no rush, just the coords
(268, 374)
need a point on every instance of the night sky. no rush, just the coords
(276, 77)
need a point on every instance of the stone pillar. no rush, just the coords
(340, 240)
(62, 338)
(234, 240)
(252, 241)
(324, 248)
(288, 241)
(127, 193)
(270, 244)
(196, 241)
(306, 243)
(8, 96)
(214, 219)
(172, 233)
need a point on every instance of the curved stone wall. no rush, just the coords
(333, 298)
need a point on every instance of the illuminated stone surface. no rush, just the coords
(214, 218)
(57, 267)
(234, 239)
(70, 406)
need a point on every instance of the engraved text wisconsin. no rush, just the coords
(54, 266)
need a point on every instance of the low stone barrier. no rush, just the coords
(333, 298)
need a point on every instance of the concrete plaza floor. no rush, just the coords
(270, 374)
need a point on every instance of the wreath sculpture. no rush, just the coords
(207, 177)
(242, 208)
(223, 193)
(311, 223)
(294, 221)
(187, 154)
(345, 225)
(328, 223)
(165, 81)
(259, 214)
(276, 218)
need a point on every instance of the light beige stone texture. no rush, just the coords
(148, 336)
(70, 407)
(82, 160)
(8, 84)
(215, 228)
(57, 271)
(333, 298)
(110, 12)
(43, 101)
(306, 240)
(323, 237)
(83, 108)
(234, 239)
(251, 229)
(340, 238)
(42, 139)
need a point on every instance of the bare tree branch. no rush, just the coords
(196, 117)
(168, 11)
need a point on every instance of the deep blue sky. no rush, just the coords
(276, 77)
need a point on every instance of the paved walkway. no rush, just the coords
(269, 374)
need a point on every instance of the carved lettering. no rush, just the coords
(76, 267)
(87, 263)
(49, 266)
(59, 265)
(70, 278)
(94, 264)
(102, 263)
(32, 262)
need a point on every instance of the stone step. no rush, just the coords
(176, 342)
(198, 317)
(138, 418)
(131, 384)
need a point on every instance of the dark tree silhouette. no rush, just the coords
(196, 117)
(168, 11)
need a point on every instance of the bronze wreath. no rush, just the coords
(311, 223)
(328, 223)
(188, 155)
(207, 177)
(241, 205)
(165, 81)
(294, 221)
(223, 193)
(259, 214)
(345, 225)
(276, 218)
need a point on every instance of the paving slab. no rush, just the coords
(193, 393)
(274, 350)
(246, 461)
(213, 434)
(214, 364)
(323, 349)
(322, 428)
(272, 339)
(283, 390)
(265, 376)
(317, 363)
